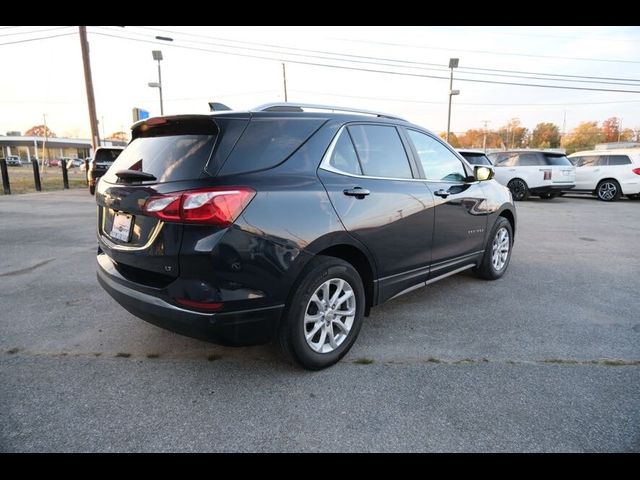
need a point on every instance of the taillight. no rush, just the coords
(211, 306)
(211, 206)
(547, 174)
(636, 171)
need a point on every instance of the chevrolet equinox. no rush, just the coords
(289, 222)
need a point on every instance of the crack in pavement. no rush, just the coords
(26, 270)
(611, 362)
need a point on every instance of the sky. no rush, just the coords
(242, 68)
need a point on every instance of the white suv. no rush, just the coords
(608, 174)
(533, 172)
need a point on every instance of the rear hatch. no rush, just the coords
(168, 154)
(561, 170)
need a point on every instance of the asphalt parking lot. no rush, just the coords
(545, 359)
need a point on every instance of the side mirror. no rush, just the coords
(483, 173)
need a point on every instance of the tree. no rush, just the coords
(453, 139)
(39, 131)
(476, 138)
(545, 135)
(513, 134)
(118, 137)
(611, 129)
(583, 137)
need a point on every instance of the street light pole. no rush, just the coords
(157, 55)
(453, 63)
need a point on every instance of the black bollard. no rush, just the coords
(36, 174)
(5, 177)
(65, 174)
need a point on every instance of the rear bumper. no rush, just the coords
(552, 188)
(236, 328)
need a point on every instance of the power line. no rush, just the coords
(370, 70)
(32, 31)
(489, 52)
(410, 64)
(35, 39)
(407, 100)
(551, 74)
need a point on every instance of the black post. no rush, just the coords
(65, 174)
(5, 177)
(86, 171)
(36, 174)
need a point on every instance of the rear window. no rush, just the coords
(169, 158)
(476, 158)
(561, 160)
(619, 160)
(107, 155)
(267, 142)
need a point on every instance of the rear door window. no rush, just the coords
(380, 151)
(268, 142)
(344, 156)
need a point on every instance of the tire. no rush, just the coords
(297, 324)
(608, 190)
(489, 268)
(92, 189)
(519, 189)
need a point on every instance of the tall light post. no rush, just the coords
(453, 63)
(157, 55)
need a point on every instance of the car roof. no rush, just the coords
(613, 151)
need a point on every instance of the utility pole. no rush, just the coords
(284, 80)
(484, 136)
(619, 127)
(91, 100)
(102, 125)
(44, 142)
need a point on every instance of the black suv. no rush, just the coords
(283, 223)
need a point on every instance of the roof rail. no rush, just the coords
(298, 107)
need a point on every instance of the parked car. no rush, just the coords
(533, 172)
(53, 162)
(14, 161)
(102, 159)
(475, 157)
(608, 174)
(282, 222)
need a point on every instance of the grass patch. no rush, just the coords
(21, 179)
(212, 357)
(11, 351)
(123, 355)
(433, 360)
(97, 354)
(363, 361)
(153, 355)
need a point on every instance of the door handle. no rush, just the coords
(441, 193)
(357, 192)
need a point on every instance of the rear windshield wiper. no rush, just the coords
(132, 175)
